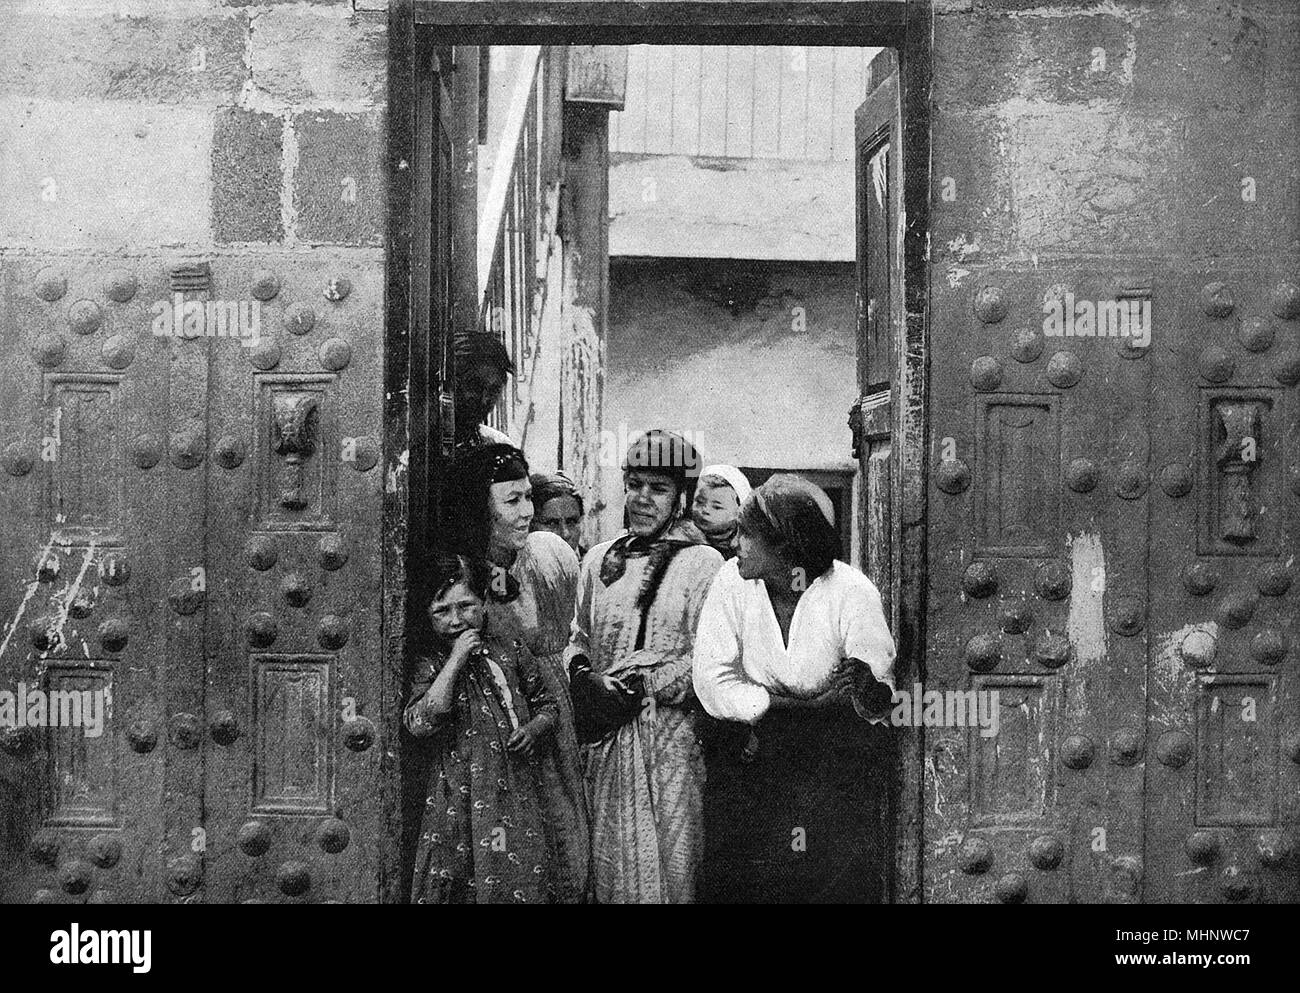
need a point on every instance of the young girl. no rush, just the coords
(484, 707)
(716, 508)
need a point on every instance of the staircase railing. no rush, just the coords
(516, 224)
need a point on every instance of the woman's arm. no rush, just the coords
(717, 668)
(868, 647)
(838, 693)
(863, 628)
(542, 705)
(872, 698)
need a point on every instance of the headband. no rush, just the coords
(507, 466)
(730, 475)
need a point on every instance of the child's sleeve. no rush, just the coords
(417, 716)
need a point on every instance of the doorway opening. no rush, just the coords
(758, 338)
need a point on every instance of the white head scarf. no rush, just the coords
(733, 477)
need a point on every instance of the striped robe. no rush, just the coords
(645, 781)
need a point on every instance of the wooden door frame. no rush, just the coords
(904, 25)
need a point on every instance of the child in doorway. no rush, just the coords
(486, 713)
(718, 497)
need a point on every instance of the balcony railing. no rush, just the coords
(517, 220)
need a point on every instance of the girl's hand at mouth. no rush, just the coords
(466, 643)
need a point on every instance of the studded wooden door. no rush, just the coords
(190, 502)
(1223, 714)
(1106, 559)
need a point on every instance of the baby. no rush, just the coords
(718, 496)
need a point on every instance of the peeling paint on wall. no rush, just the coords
(1086, 625)
(1175, 690)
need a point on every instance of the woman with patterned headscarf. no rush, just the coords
(489, 512)
(794, 651)
(639, 598)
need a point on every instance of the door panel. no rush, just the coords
(878, 191)
(1224, 784)
(1102, 554)
(101, 424)
(202, 545)
(292, 771)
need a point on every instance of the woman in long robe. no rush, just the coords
(531, 600)
(794, 653)
(639, 598)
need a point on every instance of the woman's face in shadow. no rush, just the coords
(756, 558)
(560, 515)
(510, 505)
(651, 498)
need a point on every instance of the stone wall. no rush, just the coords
(142, 126)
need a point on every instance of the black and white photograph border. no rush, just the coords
(594, 451)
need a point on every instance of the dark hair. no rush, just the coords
(552, 485)
(467, 513)
(468, 349)
(788, 513)
(665, 453)
(452, 570)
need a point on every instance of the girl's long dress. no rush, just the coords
(547, 573)
(482, 835)
(646, 780)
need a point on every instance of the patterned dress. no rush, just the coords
(646, 780)
(546, 571)
(482, 835)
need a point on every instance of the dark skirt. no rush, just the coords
(804, 820)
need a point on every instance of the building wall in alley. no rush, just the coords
(754, 360)
(723, 155)
(736, 151)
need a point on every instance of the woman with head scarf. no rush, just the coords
(794, 650)
(639, 599)
(534, 574)
(557, 507)
(716, 507)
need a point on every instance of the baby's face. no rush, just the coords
(716, 506)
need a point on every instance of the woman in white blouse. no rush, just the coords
(793, 652)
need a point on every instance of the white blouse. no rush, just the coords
(740, 655)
